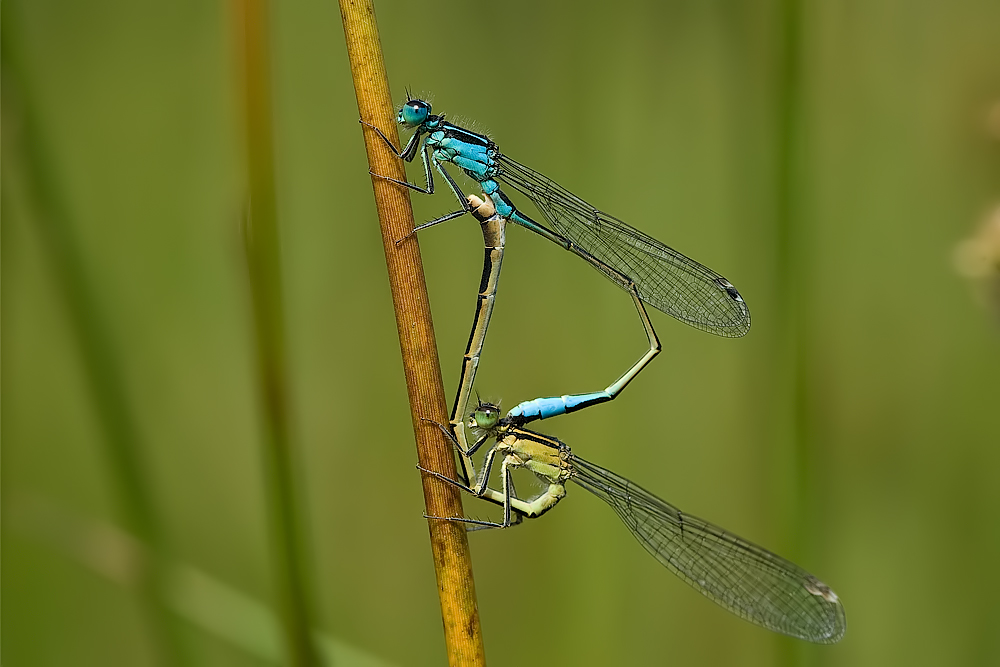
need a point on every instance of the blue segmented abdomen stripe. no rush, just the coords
(543, 408)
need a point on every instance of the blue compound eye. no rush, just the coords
(414, 113)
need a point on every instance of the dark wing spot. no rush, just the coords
(728, 287)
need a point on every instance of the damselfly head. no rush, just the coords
(485, 416)
(413, 113)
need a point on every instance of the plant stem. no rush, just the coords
(263, 258)
(449, 544)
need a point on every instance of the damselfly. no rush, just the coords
(749, 581)
(651, 271)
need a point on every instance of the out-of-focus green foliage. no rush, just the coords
(855, 429)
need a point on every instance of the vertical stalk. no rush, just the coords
(102, 370)
(264, 265)
(449, 544)
(793, 298)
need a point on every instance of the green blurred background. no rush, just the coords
(827, 158)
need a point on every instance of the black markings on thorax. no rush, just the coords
(531, 436)
(462, 134)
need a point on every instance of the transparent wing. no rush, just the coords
(666, 279)
(749, 581)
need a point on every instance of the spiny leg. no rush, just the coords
(457, 191)
(451, 436)
(428, 188)
(480, 488)
(406, 153)
(473, 524)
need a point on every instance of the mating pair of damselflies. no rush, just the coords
(749, 581)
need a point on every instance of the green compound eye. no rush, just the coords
(485, 416)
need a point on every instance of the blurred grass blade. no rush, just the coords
(199, 598)
(232, 615)
(251, 28)
(795, 453)
(36, 169)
